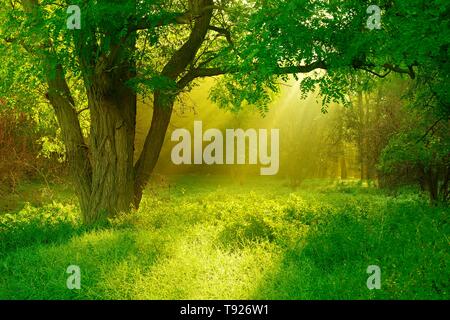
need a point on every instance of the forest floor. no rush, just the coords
(210, 238)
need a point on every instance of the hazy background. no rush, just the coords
(307, 147)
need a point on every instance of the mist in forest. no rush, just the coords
(315, 141)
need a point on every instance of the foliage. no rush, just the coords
(283, 35)
(161, 48)
(20, 151)
(278, 34)
(428, 154)
(31, 226)
(412, 148)
(223, 241)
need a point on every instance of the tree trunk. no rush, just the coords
(361, 136)
(164, 100)
(433, 184)
(368, 149)
(113, 123)
(422, 178)
(443, 192)
(77, 151)
(162, 112)
(104, 177)
(343, 165)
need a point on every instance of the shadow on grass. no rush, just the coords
(110, 262)
(52, 224)
(36, 226)
(37, 246)
(406, 240)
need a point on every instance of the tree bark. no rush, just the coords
(104, 177)
(162, 112)
(361, 146)
(164, 100)
(433, 184)
(113, 123)
(445, 184)
(77, 151)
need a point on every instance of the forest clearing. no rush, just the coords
(224, 149)
(223, 240)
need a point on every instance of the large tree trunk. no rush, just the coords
(104, 177)
(113, 122)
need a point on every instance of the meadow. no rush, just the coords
(208, 237)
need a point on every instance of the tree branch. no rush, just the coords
(178, 18)
(163, 102)
(146, 23)
(397, 69)
(368, 67)
(431, 128)
(302, 68)
(82, 110)
(214, 72)
(226, 33)
(375, 73)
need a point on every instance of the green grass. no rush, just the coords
(207, 238)
(34, 193)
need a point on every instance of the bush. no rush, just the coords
(32, 226)
(19, 152)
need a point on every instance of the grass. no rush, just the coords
(208, 238)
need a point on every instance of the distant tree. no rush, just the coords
(423, 151)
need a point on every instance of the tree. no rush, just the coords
(186, 38)
(413, 40)
(103, 56)
(426, 156)
(128, 47)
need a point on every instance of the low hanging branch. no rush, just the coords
(214, 72)
(187, 17)
(390, 68)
